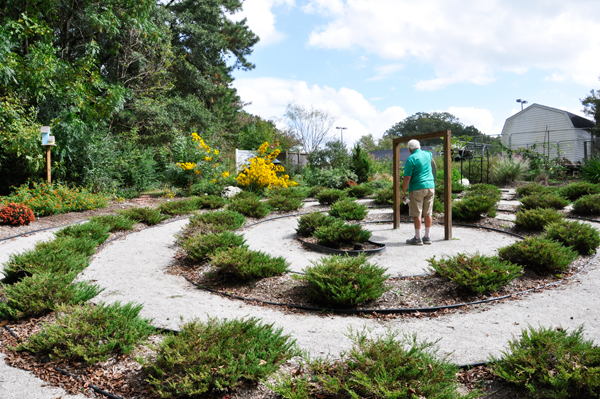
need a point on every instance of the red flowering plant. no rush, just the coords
(16, 214)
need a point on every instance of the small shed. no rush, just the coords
(552, 131)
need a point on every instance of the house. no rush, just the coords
(551, 131)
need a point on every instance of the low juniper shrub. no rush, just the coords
(581, 236)
(360, 191)
(310, 222)
(114, 222)
(315, 190)
(210, 202)
(488, 190)
(476, 273)
(284, 204)
(348, 209)
(472, 207)
(540, 254)
(587, 205)
(244, 264)
(551, 363)
(145, 215)
(330, 195)
(216, 355)
(199, 246)
(180, 207)
(344, 281)
(536, 219)
(91, 333)
(531, 189)
(224, 220)
(95, 231)
(249, 206)
(16, 214)
(298, 192)
(384, 196)
(576, 190)
(338, 233)
(543, 201)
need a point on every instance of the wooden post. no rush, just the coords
(48, 172)
(397, 184)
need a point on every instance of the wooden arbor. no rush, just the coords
(447, 178)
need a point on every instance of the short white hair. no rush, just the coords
(414, 144)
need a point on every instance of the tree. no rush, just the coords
(310, 126)
(591, 107)
(254, 131)
(368, 143)
(361, 164)
(333, 155)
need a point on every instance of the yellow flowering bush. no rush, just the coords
(262, 173)
(208, 165)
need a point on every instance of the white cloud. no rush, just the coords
(270, 96)
(385, 72)
(469, 41)
(261, 19)
(481, 118)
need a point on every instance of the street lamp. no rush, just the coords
(522, 102)
(342, 133)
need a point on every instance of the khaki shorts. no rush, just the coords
(421, 202)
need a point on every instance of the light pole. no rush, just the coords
(342, 133)
(522, 102)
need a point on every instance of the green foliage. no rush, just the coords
(226, 219)
(145, 215)
(91, 333)
(590, 170)
(344, 281)
(337, 233)
(360, 191)
(250, 206)
(587, 205)
(536, 219)
(471, 207)
(244, 264)
(541, 254)
(199, 246)
(309, 223)
(315, 190)
(543, 201)
(330, 178)
(486, 190)
(114, 222)
(94, 231)
(551, 363)
(16, 214)
(384, 196)
(181, 207)
(285, 204)
(216, 355)
(210, 202)
(581, 236)
(378, 367)
(476, 273)
(576, 190)
(297, 192)
(348, 209)
(333, 155)
(380, 183)
(50, 199)
(508, 170)
(531, 189)
(330, 195)
(361, 164)
(41, 293)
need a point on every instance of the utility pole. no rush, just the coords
(342, 133)
(522, 102)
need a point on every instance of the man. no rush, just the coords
(419, 180)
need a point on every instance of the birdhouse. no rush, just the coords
(46, 138)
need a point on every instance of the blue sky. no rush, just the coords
(374, 62)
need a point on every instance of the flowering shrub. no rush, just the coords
(262, 172)
(16, 214)
(207, 165)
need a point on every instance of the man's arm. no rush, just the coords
(405, 182)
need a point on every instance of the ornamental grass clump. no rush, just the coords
(348, 209)
(581, 236)
(310, 222)
(16, 214)
(360, 191)
(576, 190)
(328, 196)
(536, 219)
(377, 367)
(91, 333)
(244, 264)
(249, 206)
(344, 281)
(338, 233)
(551, 363)
(114, 222)
(533, 201)
(476, 273)
(540, 254)
(95, 231)
(217, 355)
(588, 205)
(199, 246)
(41, 293)
(284, 204)
(221, 220)
(144, 215)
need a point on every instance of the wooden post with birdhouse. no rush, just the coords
(48, 142)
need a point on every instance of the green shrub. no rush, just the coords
(343, 281)
(348, 209)
(16, 214)
(361, 164)
(224, 220)
(182, 207)
(337, 233)
(536, 219)
(244, 264)
(91, 333)
(216, 355)
(331, 178)
(379, 184)
(508, 170)
(587, 205)
(308, 223)
(114, 222)
(590, 170)
(477, 273)
(199, 246)
(581, 236)
(330, 195)
(97, 232)
(315, 190)
(284, 204)
(550, 363)
(384, 196)
(487, 190)
(530, 189)
(471, 207)
(298, 192)
(210, 202)
(43, 292)
(378, 367)
(541, 254)
(360, 191)
(577, 190)
(543, 201)
(249, 206)
(145, 215)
